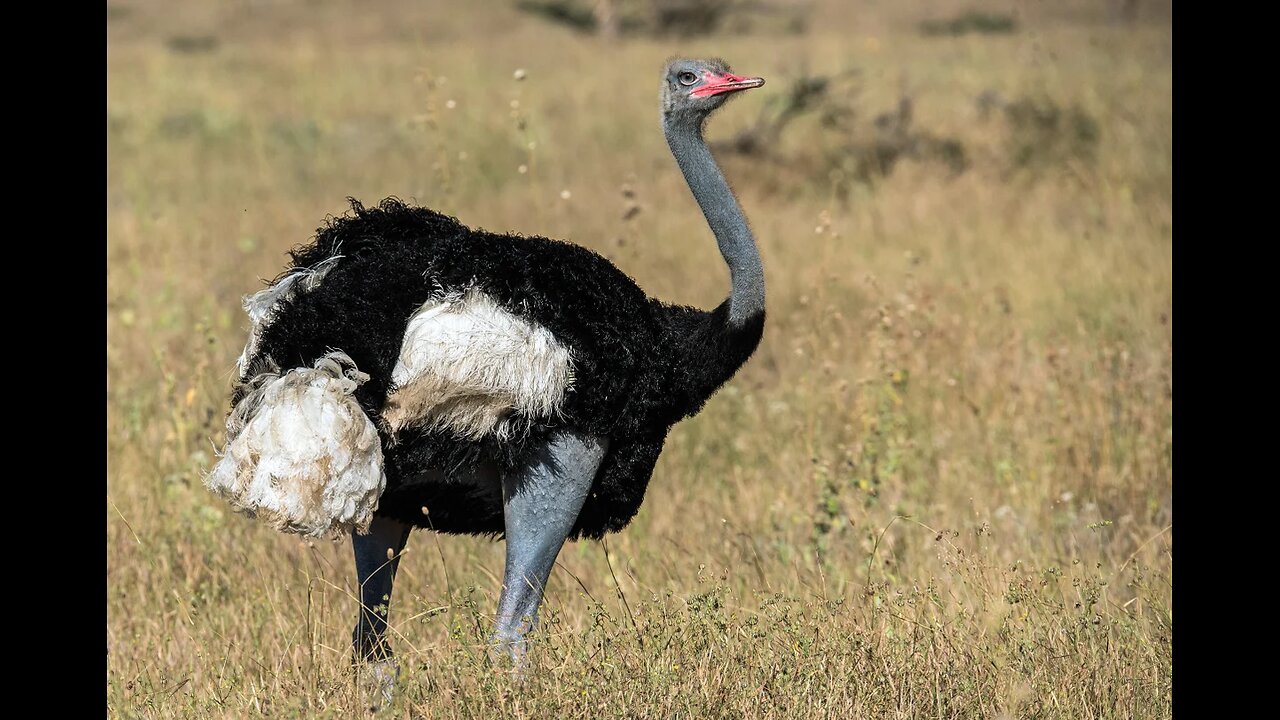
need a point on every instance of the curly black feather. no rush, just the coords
(640, 365)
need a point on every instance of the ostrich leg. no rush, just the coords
(377, 557)
(541, 503)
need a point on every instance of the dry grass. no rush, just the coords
(942, 488)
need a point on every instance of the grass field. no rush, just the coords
(943, 487)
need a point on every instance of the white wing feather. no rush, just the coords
(261, 304)
(470, 366)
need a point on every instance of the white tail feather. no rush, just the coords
(301, 454)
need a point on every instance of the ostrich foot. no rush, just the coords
(378, 681)
(509, 654)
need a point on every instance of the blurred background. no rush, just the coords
(942, 487)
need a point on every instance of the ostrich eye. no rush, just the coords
(687, 78)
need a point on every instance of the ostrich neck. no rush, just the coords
(711, 190)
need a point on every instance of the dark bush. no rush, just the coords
(565, 12)
(192, 44)
(972, 21)
(1042, 134)
(846, 149)
(664, 18)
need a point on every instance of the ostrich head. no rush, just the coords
(692, 89)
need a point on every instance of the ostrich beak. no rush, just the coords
(726, 83)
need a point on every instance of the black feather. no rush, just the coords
(640, 365)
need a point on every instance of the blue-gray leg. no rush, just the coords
(541, 503)
(377, 558)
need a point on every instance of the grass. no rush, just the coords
(942, 488)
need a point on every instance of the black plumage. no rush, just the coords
(640, 365)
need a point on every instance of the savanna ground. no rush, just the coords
(942, 488)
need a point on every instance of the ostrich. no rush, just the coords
(408, 371)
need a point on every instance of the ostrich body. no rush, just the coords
(408, 371)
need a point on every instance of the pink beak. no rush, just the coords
(726, 83)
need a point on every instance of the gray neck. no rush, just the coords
(723, 214)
